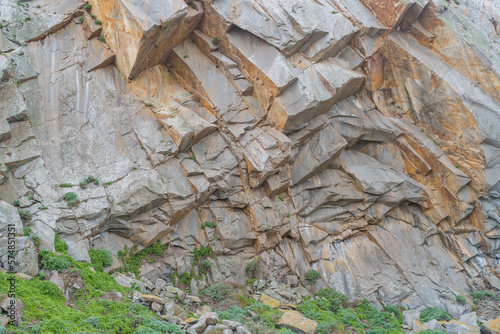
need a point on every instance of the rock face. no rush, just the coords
(357, 138)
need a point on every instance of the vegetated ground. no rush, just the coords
(95, 303)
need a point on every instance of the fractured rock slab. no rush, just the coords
(318, 87)
(143, 34)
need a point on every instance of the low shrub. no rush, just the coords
(71, 198)
(431, 313)
(312, 276)
(251, 267)
(216, 292)
(100, 258)
(27, 231)
(205, 267)
(208, 224)
(25, 214)
(233, 313)
(480, 295)
(461, 299)
(51, 261)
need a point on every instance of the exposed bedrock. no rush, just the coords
(357, 138)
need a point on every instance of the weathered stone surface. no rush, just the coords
(140, 31)
(202, 75)
(99, 56)
(43, 20)
(210, 318)
(269, 301)
(492, 326)
(317, 88)
(297, 322)
(261, 121)
(259, 58)
(316, 154)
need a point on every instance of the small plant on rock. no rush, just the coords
(205, 267)
(100, 258)
(27, 231)
(101, 39)
(312, 276)
(89, 179)
(461, 299)
(208, 224)
(16, 203)
(71, 198)
(98, 22)
(201, 253)
(36, 241)
(25, 214)
(251, 267)
(88, 7)
(216, 40)
(80, 19)
(59, 245)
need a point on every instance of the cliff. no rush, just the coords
(359, 138)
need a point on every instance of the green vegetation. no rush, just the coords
(149, 105)
(201, 253)
(101, 39)
(98, 22)
(30, 197)
(89, 179)
(234, 313)
(71, 198)
(27, 231)
(205, 267)
(433, 313)
(65, 185)
(329, 310)
(312, 276)
(132, 259)
(251, 267)
(191, 157)
(186, 56)
(16, 203)
(216, 292)
(80, 19)
(88, 7)
(208, 224)
(216, 40)
(100, 258)
(43, 208)
(36, 241)
(480, 295)
(21, 53)
(268, 315)
(46, 310)
(51, 261)
(60, 246)
(461, 300)
(25, 214)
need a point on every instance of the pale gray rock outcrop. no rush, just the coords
(355, 139)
